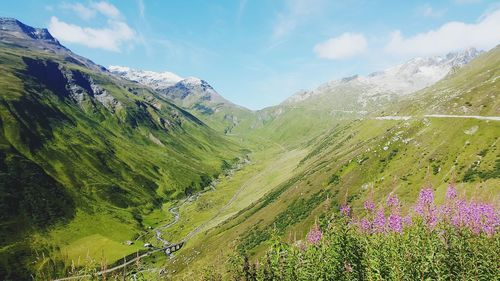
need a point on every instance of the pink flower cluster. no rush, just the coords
(377, 222)
(425, 207)
(314, 235)
(476, 216)
(345, 210)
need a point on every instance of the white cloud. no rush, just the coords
(342, 47)
(111, 37)
(296, 13)
(107, 9)
(81, 10)
(451, 36)
(88, 12)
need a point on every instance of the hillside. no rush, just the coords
(85, 154)
(100, 167)
(367, 159)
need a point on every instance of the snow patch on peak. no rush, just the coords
(155, 80)
(117, 68)
(193, 80)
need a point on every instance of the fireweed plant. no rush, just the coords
(456, 240)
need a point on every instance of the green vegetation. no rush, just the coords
(346, 254)
(295, 212)
(453, 240)
(94, 161)
(89, 158)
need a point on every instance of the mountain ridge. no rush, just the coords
(432, 69)
(18, 29)
(402, 79)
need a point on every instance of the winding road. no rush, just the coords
(490, 118)
(174, 211)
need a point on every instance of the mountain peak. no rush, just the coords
(155, 80)
(195, 81)
(463, 57)
(187, 90)
(10, 27)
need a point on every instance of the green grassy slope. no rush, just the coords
(366, 158)
(83, 154)
(88, 161)
(221, 117)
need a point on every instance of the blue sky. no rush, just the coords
(258, 52)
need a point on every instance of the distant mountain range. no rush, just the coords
(398, 80)
(354, 95)
(185, 91)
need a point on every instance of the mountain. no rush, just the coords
(470, 91)
(368, 91)
(155, 80)
(193, 94)
(87, 157)
(307, 113)
(16, 30)
(367, 158)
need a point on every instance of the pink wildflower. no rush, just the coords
(379, 221)
(365, 225)
(395, 223)
(369, 205)
(392, 201)
(314, 235)
(451, 192)
(407, 220)
(345, 210)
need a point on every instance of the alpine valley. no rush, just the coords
(102, 169)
